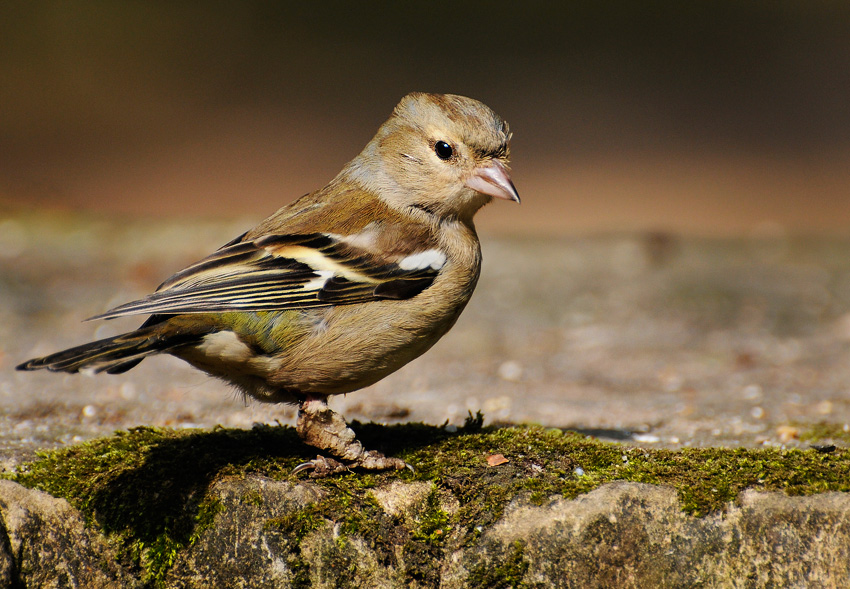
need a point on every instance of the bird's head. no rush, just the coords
(443, 154)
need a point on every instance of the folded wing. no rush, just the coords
(279, 272)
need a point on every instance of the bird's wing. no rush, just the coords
(277, 272)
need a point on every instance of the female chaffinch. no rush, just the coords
(341, 287)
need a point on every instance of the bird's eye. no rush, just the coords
(443, 150)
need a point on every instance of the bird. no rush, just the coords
(339, 288)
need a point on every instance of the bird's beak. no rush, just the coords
(493, 179)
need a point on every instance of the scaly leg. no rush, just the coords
(320, 426)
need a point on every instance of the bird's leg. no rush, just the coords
(320, 426)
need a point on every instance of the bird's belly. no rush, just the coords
(356, 346)
(330, 351)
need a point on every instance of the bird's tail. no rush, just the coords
(112, 355)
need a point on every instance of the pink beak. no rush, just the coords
(493, 180)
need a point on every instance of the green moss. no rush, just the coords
(209, 508)
(299, 523)
(148, 488)
(293, 528)
(434, 524)
(253, 498)
(507, 572)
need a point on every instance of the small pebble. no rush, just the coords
(787, 433)
(751, 392)
(824, 407)
(127, 391)
(510, 371)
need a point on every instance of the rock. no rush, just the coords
(635, 535)
(400, 499)
(246, 546)
(240, 548)
(267, 533)
(45, 543)
(622, 534)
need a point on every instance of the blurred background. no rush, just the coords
(677, 274)
(705, 117)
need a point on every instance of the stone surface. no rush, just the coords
(634, 535)
(238, 549)
(46, 544)
(620, 535)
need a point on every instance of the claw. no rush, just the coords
(304, 466)
(321, 467)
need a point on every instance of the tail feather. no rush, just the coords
(112, 355)
(123, 366)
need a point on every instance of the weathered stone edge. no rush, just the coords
(621, 534)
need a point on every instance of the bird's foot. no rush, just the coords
(320, 426)
(322, 466)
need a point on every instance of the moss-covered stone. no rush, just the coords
(148, 489)
(506, 573)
